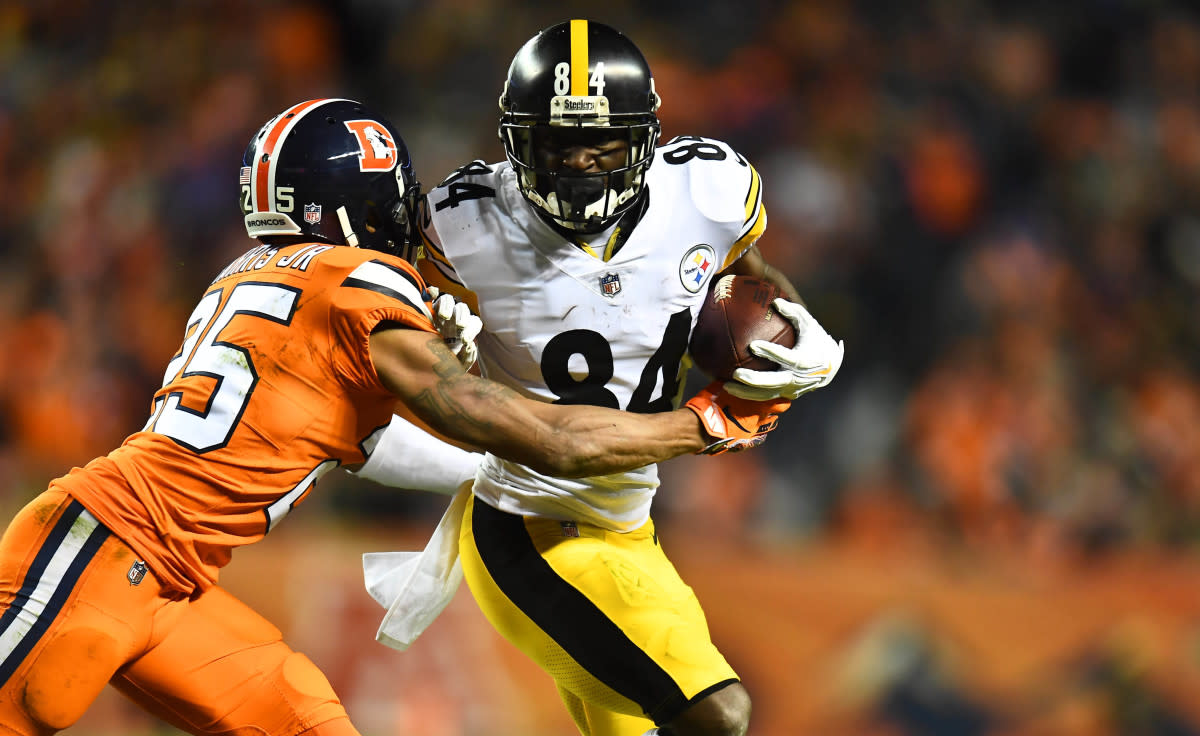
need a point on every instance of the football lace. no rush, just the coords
(723, 288)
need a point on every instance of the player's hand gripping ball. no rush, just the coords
(737, 311)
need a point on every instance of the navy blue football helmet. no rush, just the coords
(579, 83)
(332, 171)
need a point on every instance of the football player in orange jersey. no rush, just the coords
(291, 364)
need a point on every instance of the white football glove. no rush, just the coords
(811, 364)
(459, 327)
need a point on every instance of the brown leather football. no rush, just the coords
(737, 311)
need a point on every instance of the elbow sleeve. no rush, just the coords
(406, 456)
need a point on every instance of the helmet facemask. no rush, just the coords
(392, 224)
(586, 202)
(408, 217)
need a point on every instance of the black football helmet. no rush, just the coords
(579, 83)
(332, 171)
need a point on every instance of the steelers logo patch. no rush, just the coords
(697, 265)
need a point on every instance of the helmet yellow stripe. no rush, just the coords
(579, 58)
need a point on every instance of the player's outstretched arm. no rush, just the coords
(564, 441)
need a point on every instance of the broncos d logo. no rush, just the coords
(377, 150)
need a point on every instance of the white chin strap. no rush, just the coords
(347, 231)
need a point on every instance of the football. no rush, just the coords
(737, 311)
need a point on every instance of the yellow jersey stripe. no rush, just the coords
(429, 249)
(432, 260)
(753, 204)
(754, 195)
(756, 214)
(749, 237)
(612, 242)
(610, 248)
(579, 58)
(435, 275)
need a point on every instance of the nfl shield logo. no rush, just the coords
(137, 573)
(610, 284)
(312, 213)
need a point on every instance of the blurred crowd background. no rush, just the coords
(995, 204)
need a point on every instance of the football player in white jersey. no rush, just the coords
(588, 253)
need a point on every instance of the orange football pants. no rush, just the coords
(78, 610)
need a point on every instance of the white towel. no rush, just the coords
(415, 587)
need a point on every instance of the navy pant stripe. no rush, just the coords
(34, 574)
(61, 590)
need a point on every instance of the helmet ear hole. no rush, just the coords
(371, 220)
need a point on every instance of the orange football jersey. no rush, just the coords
(272, 387)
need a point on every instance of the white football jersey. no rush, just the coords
(563, 325)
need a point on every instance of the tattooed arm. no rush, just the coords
(559, 440)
